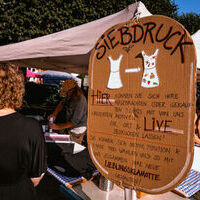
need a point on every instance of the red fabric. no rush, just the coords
(32, 74)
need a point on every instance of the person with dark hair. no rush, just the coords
(75, 105)
(22, 150)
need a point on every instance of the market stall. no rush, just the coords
(68, 50)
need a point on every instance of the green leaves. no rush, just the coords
(26, 19)
(191, 21)
(162, 7)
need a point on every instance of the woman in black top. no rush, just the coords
(22, 154)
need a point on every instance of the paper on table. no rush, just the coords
(52, 137)
(78, 148)
(196, 164)
(58, 138)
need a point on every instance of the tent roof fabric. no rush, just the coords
(196, 40)
(67, 50)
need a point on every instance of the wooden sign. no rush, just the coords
(142, 104)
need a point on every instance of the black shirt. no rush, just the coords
(22, 155)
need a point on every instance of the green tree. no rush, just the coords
(25, 19)
(162, 7)
(191, 21)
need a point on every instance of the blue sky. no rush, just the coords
(186, 6)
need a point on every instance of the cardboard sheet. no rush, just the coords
(142, 104)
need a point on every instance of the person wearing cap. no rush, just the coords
(75, 105)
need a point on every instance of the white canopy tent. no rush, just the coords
(67, 50)
(196, 40)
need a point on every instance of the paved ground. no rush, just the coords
(48, 189)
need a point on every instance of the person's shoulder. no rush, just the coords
(82, 97)
(79, 100)
(27, 119)
(29, 123)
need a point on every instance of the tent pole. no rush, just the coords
(129, 194)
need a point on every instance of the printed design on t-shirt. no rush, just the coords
(150, 77)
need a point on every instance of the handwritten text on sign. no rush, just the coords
(141, 104)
